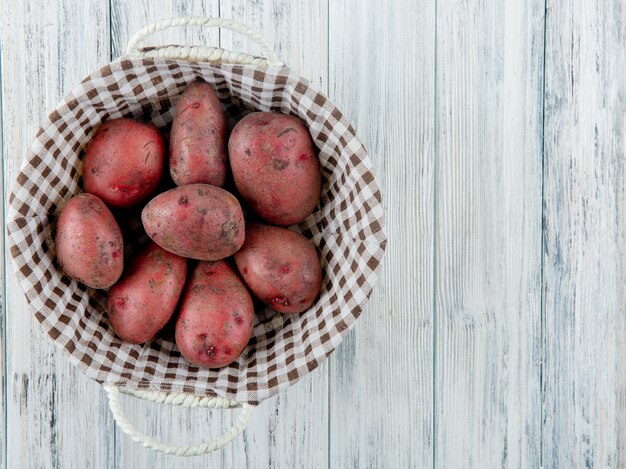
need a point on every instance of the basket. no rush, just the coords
(347, 229)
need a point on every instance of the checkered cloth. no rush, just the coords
(347, 230)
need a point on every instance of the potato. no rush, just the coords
(280, 267)
(275, 167)
(198, 138)
(198, 220)
(145, 298)
(124, 162)
(216, 316)
(89, 244)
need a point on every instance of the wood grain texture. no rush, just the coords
(128, 17)
(3, 380)
(382, 66)
(488, 234)
(298, 30)
(173, 425)
(56, 416)
(466, 355)
(290, 430)
(584, 386)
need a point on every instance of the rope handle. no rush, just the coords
(181, 399)
(202, 53)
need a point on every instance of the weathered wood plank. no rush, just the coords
(290, 430)
(298, 30)
(128, 17)
(56, 416)
(488, 234)
(169, 424)
(480, 175)
(382, 74)
(3, 395)
(584, 372)
(3, 380)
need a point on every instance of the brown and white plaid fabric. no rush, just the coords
(347, 229)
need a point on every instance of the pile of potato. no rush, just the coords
(276, 176)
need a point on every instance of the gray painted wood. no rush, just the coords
(172, 425)
(56, 417)
(290, 430)
(584, 260)
(3, 406)
(466, 356)
(488, 234)
(382, 69)
(298, 31)
(128, 17)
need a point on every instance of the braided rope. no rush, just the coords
(204, 54)
(181, 399)
(212, 54)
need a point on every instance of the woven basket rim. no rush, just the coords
(18, 222)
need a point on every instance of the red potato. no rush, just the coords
(198, 138)
(280, 267)
(216, 316)
(89, 244)
(124, 162)
(144, 299)
(275, 167)
(198, 220)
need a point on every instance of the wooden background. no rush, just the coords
(495, 337)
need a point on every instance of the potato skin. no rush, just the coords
(216, 316)
(198, 138)
(198, 220)
(144, 299)
(280, 267)
(275, 167)
(89, 244)
(124, 162)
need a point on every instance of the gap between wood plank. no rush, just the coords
(111, 58)
(328, 388)
(434, 243)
